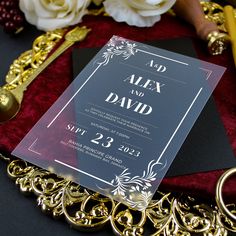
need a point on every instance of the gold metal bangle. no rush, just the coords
(219, 194)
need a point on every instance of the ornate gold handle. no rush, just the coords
(10, 101)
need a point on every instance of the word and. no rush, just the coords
(131, 104)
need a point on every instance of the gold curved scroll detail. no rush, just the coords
(29, 61)
(84, 210)
(91, 214)
(126, 221)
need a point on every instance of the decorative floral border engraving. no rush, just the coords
(132, 190)
(118, 46)
(135, 190)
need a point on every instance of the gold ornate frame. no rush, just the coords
(167, 214)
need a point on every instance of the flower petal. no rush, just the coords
(42, 11)
(155, 2)
(54, 14)
(122, 12)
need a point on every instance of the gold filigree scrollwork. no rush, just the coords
(196, 217)
(225, 221)
(182, 215)
(160, 213)
(19, 171)
(126, 221)
(92, 213)
(167, 214)
(24, 66)
(49, 189)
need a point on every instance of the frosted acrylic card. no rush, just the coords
(117, 128)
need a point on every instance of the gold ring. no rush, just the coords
(219, 198)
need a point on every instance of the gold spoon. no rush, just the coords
(10, 100)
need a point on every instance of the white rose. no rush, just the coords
(140, 13)
(54, 14)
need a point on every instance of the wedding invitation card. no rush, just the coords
(206, 143)
(117, 128)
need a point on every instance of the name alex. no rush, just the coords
(139, 81)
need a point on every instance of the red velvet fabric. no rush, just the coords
(55, 78)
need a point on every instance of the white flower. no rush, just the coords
(49, 15)
(140, 13)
